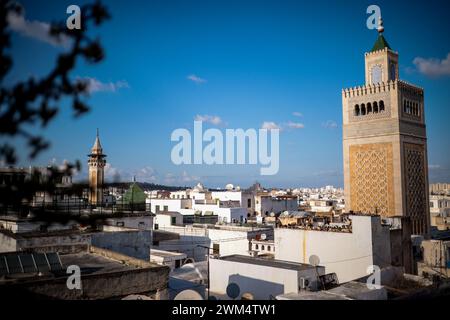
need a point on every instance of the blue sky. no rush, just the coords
(253, 62)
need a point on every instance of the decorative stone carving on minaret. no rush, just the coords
(385, 142)
(96, 172)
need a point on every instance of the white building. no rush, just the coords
(135, 221)
(165, 204)
(348, 254)
(266, 204)
(262, 247)
(167, 219)
(227, 212)
(221, 239)
(262, 278)
(173, 260)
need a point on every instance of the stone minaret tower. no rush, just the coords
(385, 142)
(96, 175)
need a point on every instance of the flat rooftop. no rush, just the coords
(308, 295)
(94, 264)
(105, 274)
(280, 264)
(163, 253)
(49, 233)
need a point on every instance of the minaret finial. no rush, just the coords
(380, 25)
(97, 132)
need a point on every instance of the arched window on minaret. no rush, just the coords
(369, 108)
(375, 107)
(356, 110)
(363, 109)
(381, 105)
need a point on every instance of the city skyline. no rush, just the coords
(235, 66)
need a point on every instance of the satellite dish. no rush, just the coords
(189, 261)
(188, 295)
(263, 236)
(314, 260)
(233, 290)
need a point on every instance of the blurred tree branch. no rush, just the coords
(35, 103)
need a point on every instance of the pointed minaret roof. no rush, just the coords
(381, 42)
(97, 148)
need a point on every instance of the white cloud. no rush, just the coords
(35, 29)
(147, 174)
(95, 85)
(112, 173)
(270, 125)
(297, 114)
(215, 120)
(433, 67)
(196, 79)
(182, 179)
(295, 125)
(330, 124)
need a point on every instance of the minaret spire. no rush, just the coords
(97, 148)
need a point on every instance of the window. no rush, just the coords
(375, 107)
(262, 247)
(376, 74)
(249, 203)
(157, 208)
(166, 208)
(356, 110)
(269, 248)
(448, 257)
(369, 108)
(392, 71)
(381, 106)
(216, 248)
(256, 246)
(173, 220)
(363, 109)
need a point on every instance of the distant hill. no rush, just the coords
(145, 186)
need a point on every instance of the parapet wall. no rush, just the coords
(381, 87)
